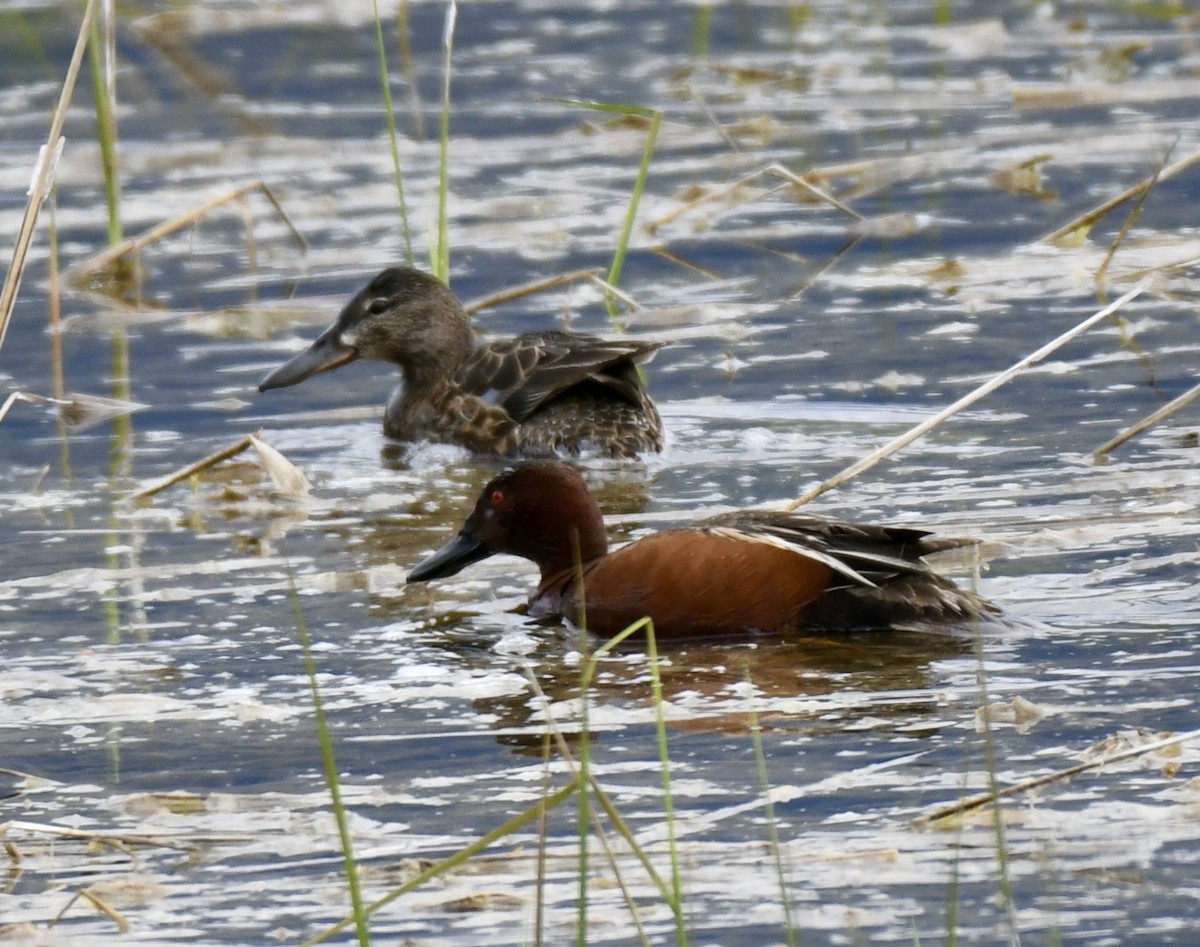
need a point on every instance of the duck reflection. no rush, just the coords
(798, 682)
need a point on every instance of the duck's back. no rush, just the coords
(568, 392)
(880, 576)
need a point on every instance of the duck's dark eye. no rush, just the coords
(497, 497)
(377, 306)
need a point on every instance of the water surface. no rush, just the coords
(153, 683)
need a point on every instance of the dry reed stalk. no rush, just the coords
(1147, 422)
(105, 838)
(528, 289)
(43, 173)
(806, 185)
(1181, 265)
(135, 244)
(288, 479)
(78, 412)
(1147, 91)
(668, 254)
(95, 901)
(611, 290)
(774, 168)
(874, 174)
(1084, 222)
(183, 473)
(18, 396)
(537, 286)
(1132, 217)
(979, 800)
(838, 255)
(653, 226)
(713, 120)
(866, 463)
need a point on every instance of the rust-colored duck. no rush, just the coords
(746, 572)
(544, 392)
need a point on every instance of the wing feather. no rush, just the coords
(523, 374)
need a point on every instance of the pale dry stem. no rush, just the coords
(897, 444)
(134, 245)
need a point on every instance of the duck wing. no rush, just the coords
(524, 373)
(885, 581)
(865, 553)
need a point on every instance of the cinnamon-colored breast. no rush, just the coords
(698, 583)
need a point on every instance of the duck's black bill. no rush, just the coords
(325, 353)
(452, 558)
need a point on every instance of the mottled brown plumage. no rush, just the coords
(542, 392)
(746, 572)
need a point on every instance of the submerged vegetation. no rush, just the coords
(844, 217)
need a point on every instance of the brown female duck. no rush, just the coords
(542, 392)
(746, 572)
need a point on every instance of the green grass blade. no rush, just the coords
(358, 914)
(583, 804)
(533, 812)
(409, 69)
(602, 798)
(104, 94)
(660, 726)
(954, 886)
(539, 918)
(764, 779)
(702, 29)
(586, 674)
(390, 115)
(989, 751)
(16, 23)
(441, 253)
(616, 108)
(639, 184)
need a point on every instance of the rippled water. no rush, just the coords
(152, 681)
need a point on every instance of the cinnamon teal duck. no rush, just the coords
(547, 391)
(746, 572)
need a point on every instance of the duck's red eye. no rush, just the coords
(497, 497)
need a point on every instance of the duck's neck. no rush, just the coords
(427, 384)
(445, 343)
(424, 377)
(556, 594)
(562, 548)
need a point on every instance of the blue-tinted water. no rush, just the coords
(151, 648)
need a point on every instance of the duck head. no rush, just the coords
(402, 316)
(540, 510)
